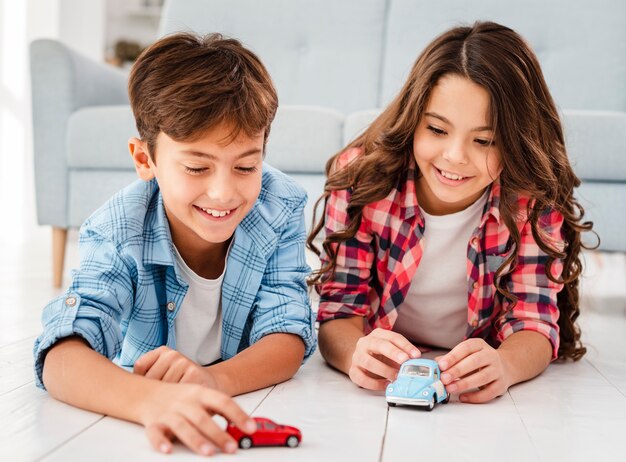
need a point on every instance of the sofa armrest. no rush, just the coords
(63, 81)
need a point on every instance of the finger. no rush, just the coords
(159, 368)
(372, 365)
(189, 435)
(400, 341)
(463, 349)
(176, 371)
(360, 378)
(390, 350)
(466, 366)
(222, 404)
(488, 393)
(157, 435)
(207, 426)
(478, 379)
(145, 362)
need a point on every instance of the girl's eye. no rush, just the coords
(247, 169)
(436, 131)
(195, 171)
(484, 142)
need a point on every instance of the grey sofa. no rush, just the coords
(335, 63)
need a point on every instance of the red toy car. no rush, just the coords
(268, 433)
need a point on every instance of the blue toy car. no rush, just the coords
(418, 384)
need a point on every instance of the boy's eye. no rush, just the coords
(195, 171)
(247, 169)
(436, 131)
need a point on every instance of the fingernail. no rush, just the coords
(462, 398)
(452, 387)
(415, 353)
(402, 357)
(250, 426)
(445, 378)
(443, 364)
(231, 447)
(165, 447)
(206, 449)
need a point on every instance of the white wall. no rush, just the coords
(79, 24)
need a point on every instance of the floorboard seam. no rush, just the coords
(71, 438)
(382, 445)
(605, 377)
(532, 443)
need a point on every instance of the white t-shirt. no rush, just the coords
(434, 311)
(198, 324)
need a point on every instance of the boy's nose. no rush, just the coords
(220, 189)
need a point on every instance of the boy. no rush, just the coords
(200, 260)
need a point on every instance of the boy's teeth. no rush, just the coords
(451, 176)
(217, 213)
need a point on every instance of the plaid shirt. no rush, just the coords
(126, 294)
(375, 268)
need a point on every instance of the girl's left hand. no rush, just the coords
(169, 365)
(474, 364)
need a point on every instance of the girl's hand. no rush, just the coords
(377, 358)
(184, 412)
(474, 364)
(169, 365)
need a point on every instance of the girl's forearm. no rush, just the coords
(526, 354)
(273, 359)
(337, 341)
(77, 375)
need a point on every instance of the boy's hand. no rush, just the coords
(169, 365)
(184, 412)
(378, 357)
(474, 364)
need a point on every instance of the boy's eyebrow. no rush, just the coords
(443, 119)
(208, 155)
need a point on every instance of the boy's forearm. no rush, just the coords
(337, 341)
(526, 354)
(273, 359)
(77, 375)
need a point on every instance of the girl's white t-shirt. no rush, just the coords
(434, 311)
(198, 324)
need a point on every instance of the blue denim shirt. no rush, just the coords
(126, 294)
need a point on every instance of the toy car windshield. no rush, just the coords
(415, 371)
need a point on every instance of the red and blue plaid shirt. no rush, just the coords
(375, 268)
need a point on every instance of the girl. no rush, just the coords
(451, 222)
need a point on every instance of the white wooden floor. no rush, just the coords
(573, 412)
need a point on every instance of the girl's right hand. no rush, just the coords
(378, 357)
(184, 411)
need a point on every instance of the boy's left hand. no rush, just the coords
(169, 365)
(474, 364)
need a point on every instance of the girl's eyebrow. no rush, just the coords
(443, 119)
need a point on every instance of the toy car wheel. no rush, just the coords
(391, 404)
(431, 403)
(245, 443)
(445, 401)
(292, 442)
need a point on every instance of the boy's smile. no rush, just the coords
(454, 147)
(208, 187)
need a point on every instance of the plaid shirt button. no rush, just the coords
(474, 323)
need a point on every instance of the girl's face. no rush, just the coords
(454, 147)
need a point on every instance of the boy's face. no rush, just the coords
(208, 185)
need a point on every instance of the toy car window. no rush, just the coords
(269, 426)
(416, 371)
(259, 425)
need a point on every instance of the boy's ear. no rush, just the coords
(139, 152)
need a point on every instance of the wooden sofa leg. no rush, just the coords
(59, 239)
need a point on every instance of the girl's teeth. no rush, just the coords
(451, 176)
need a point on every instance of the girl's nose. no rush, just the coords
(455, 153)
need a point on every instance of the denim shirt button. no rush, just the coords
(171, 306)
(70, 301)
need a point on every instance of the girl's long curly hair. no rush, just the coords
(534, 159)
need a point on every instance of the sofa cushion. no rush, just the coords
(324, 52)
(596, 144)
(97, 137)
(581, 44)
(604, 205)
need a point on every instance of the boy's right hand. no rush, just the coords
(184, 412)
(378, 357)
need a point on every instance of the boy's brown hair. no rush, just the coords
(185, 84)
